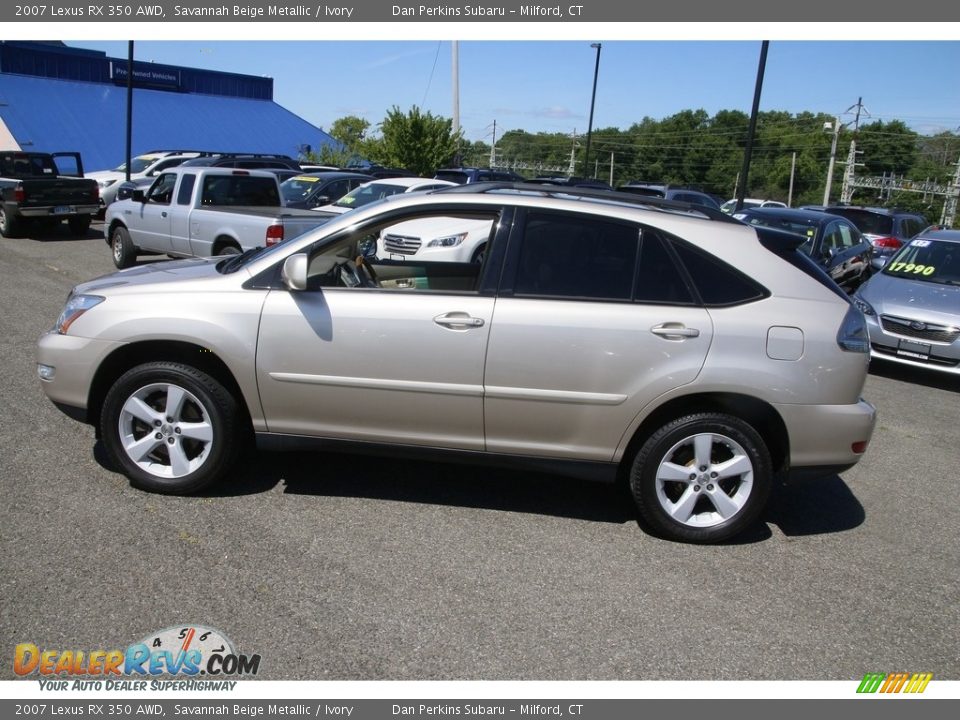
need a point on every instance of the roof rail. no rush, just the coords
(587, 193)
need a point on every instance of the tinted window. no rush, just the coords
(717, 282)
(866, 221)
(577, 257)
(186, 189)
(658, 278)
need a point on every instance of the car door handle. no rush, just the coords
(674, 331)
(458, 320)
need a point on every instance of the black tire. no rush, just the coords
(228, 249)
(9, 226)
(79, 224)
(122, 249)
(478, 254)
(715, 480)
(172, 449)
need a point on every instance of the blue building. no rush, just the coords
(53, 97)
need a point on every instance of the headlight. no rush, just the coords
(76, 306)
(447, 241)
(102, 184)
(863, 306)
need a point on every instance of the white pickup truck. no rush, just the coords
(203, 211)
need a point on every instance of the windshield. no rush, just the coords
(298, 188)
(927, 259)
(366, 194)
(138, 164)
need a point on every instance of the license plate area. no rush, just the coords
(62, 210)
(914, 350)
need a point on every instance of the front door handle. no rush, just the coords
(674, 331)
(458, 320)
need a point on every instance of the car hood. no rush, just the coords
(158, 273)
(902, 297)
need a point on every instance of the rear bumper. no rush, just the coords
(49, 211)
(822, 437)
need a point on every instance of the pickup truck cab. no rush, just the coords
(201, 212)
(44, 187)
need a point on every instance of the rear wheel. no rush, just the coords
(124, 254)
(702, 478)
(228, 249)
(170, 427)
(79, 224)
(9, 225)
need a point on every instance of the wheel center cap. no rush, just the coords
(167, 430)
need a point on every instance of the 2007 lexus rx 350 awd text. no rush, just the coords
(602, 336)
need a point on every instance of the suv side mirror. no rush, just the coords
(320, 200)
(138, 196)
(294, 272)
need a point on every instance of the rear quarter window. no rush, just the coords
(717, 283)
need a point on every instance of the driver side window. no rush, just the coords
(162, 191)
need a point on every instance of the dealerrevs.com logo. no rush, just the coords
(187, 650)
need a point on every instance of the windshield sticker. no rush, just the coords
(306, 178)
(921, 243)
(915, 269)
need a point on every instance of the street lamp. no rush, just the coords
(593, 99)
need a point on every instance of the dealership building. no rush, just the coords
(57, 98)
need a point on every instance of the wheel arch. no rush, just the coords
(759, 414)
(223, 241)
(129, 356)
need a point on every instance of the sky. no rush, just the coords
(546, 85)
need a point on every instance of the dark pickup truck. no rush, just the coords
(46, 188)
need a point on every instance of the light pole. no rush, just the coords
(593, 99)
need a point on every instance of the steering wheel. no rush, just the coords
(365, 273)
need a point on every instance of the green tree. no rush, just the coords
(417, 141)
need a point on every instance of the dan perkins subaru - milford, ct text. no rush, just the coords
(484, 11)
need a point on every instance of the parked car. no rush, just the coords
(464, 175)
(572, 182)
(45, 188)
(200, 212)
(248, 161)
(148, 166)
(436, 239)
(379, 189)
(831, 241)
(730, 205)
(310, 190)
(691, 356)
(667, 192)
(912, 306)
(886, 229)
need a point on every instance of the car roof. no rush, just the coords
(948, 235)
(789, 213)
(333, 175)
(409, 181)
(878, 210)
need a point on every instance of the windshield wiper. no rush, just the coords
(235, 262)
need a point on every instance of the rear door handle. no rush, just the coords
(458, 320)
(674, 331)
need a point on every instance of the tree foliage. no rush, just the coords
(420, 142)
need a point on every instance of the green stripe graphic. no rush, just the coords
(871, 682)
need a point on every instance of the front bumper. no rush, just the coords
(900, 348)
(74, 361)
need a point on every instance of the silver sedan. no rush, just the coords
(913, 305)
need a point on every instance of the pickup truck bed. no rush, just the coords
(33, 189)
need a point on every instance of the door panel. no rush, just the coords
(383, 366)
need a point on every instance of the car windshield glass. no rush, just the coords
(452, 175)
(866, 221)
(138, 164)
(298, 188)
(366, 194)
(928, 260)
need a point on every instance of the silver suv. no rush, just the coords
(603, 336)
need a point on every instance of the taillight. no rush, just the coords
(887, 242)
(19, 194)
(852, 335)
(274, 235)
(95, 193)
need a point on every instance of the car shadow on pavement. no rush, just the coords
(815, 507)
(915, 375)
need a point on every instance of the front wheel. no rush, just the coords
(9, 225)
(170, 427)
(121, 246)
(702, 478)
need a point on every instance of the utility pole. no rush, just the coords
(611, 170)
(493, 146)
(833, 147)
(793, 170)
(949, 214)
(573, 155)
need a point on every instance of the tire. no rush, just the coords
(702, 478)
(9, 226)
(228, 249)
(478, 254)
(122, 249)
(171, 428)
(79, 224)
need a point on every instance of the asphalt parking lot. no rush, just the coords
(347, 567)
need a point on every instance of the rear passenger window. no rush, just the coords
(186, 189)
(718, 283)
(577, 257)
(658, 278)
